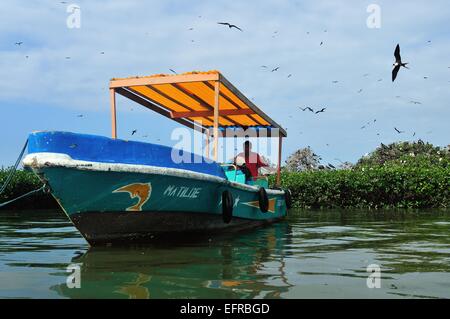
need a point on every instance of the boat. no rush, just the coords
(116, 190)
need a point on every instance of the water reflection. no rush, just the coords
(240, 266)
(321, 254)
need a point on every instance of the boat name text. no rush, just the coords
(182, 191)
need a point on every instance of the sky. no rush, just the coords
(41, 88)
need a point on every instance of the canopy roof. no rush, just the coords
(190, 98)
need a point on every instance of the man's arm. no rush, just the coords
(261, 162)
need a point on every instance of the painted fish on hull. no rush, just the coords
(139, 190)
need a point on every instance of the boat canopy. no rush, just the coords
(204, 101)
(189, 99)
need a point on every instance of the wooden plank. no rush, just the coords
(244, 99)
(138, 81)
(157, 91)
(148, 103)
(200, 101)
(211, 113)
(280, 145)
(216, 119)
(226, 97)
(112, 96)
(270, 132)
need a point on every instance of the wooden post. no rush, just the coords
(112, 94)
(216, 119)
(207, 144)
(280, 144)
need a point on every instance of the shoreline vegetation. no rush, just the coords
(399, 175)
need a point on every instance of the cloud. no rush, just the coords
(141, 38)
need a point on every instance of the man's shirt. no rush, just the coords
(253, 162)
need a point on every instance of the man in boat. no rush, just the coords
(249, 162)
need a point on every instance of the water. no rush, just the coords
(309, 255)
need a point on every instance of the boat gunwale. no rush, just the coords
(40, 160)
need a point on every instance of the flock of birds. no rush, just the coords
(312, 110)
(398, 64)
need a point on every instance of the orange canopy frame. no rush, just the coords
(199, 100)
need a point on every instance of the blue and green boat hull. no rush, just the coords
(120, 199)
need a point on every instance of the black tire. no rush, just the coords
(288, 198)
(263, 200)
(227, 207)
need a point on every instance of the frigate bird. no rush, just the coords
(398, 63)
(321, 111)
(230, 25)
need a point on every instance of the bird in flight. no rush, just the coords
(321, 111)
(80, 115)
(289, 75)
(276, 69)
(230, 25)
(360, 90)
(335, 82)
(415, 102)
(19, 43)
(133, 132)
(398, 131)
(321, 42)
(173, 71)
(264, 66)
(398, 63)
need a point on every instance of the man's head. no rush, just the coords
(247, 146)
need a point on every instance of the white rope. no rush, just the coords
(13, 169)
(42, 188)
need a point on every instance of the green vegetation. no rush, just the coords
(372, 187)
(406, 153)
(22, 183)
(401, 175)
